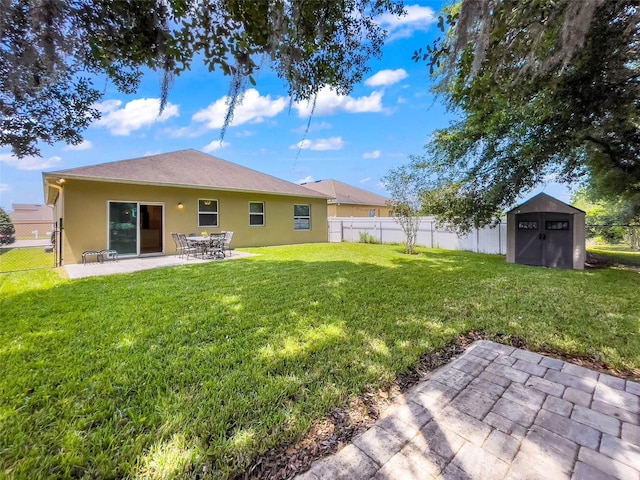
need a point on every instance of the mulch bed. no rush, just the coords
(340, 427)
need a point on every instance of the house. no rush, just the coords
(31, 220)
(132, 206)
(349, 201)
(546, 232)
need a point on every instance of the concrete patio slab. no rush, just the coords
(498, 412)
(128, 265)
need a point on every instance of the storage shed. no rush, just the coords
(546, 232)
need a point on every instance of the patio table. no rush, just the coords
(210, 245)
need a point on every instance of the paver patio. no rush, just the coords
(128, 265)
(498, 412)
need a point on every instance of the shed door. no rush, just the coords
(544, 239)
(529, 238)
(558, 240)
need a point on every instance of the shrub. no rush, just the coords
(7, 230)
(366, 237)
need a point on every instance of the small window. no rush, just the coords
(527, 225)
(256, 214)
(372, 212)
(562, 225)
(302, 217)
(207, 213)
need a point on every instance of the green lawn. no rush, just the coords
(160, 373)
(12, 259)
(616, 254)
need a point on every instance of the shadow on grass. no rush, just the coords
(173, 370)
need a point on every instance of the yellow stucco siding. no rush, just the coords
(344, 210)
(85, 205)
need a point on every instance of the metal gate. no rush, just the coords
(30, 246)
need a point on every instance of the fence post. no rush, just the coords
(431, 234)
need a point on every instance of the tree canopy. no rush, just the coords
(543, 90)
(7, 230)
(53, 51)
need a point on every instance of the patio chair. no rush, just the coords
(216, 245)
(227, 243)
(187, 248)
(176, 240)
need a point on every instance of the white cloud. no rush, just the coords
(384, 78)
(254, 108)
(307, 179)
(86, 145)
(314, 127)
(329, 102)
(374, 154)
(333, 143)
(4, 187)
(150, 153)
(418, 18)
(30, 163)
(245, 133)
(184, 132)
(365, 180)
(108, 106)
(215, 145)
(136, 114)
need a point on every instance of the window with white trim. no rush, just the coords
(302, 217)
(256, 214)
(207, 213)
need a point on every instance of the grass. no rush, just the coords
(162, 373)
(617, 254)
(13, 259)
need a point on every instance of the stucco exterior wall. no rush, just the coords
(85, 213)
(344, 210)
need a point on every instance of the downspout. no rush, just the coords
(60, 226)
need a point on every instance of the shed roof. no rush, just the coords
(184, 168)
(342, 193)
(544, 203)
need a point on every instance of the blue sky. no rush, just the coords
(355, 139)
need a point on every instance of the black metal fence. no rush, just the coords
(29, 246)
(621, 235)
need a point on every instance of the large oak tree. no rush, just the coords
(542, 90)
(53, 53)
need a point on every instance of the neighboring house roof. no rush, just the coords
(25, 212)
(184, 168)
(342, 193)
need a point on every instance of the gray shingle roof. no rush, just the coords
(343, 193)
(186, 168)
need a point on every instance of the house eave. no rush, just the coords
(177, 185)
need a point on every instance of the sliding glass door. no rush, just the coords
(123, 227)
(135, 228)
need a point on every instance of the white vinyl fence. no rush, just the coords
(386, 230)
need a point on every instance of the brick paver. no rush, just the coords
(500, 413)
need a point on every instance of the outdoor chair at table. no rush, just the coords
(228, 236)
(216, 245)
(187, 247)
